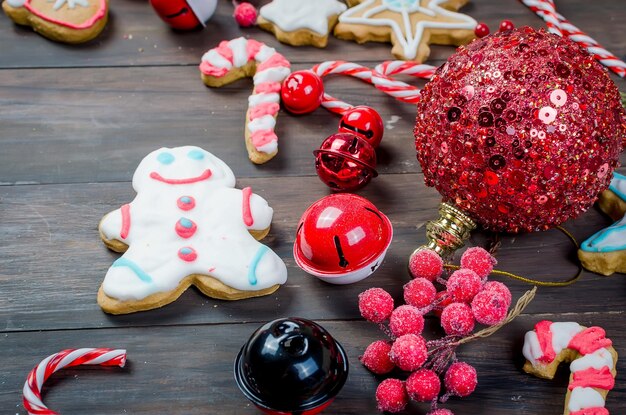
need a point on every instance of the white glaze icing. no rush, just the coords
(562, 334)
(409, 37)
(254, 100)
(609, 239)
(266, 122)
(532, 349)
(70, 3)
(292, 15)
(597, 360)
(582, 398)
(15, 3)
(276, 72)
(224, 247)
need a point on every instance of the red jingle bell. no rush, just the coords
(342, 238)
(184, 14)
(345, 162)
(302, 92)
(364, 122)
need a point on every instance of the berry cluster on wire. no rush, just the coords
(467, 297)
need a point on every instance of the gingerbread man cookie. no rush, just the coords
(410, 25)
(187, 226)
(301, 22)
(593, 361)
(68, 21)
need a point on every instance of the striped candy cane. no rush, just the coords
(57, 361)
(379, 77)
(561, 26)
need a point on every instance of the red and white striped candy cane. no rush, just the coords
(561, 26)
(57, 361)
(380, 78)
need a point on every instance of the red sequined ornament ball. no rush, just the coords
(521, 130)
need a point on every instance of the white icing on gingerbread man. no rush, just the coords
(187, 218)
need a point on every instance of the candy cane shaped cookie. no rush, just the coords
(592, 357)
(57, 361)
(239, 58)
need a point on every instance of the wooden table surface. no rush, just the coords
(76, 120)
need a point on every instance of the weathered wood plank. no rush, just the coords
(136, 37)
(52, 260)
(188, 370)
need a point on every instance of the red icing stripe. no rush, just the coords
(253, 47)
(262, 137)
(591, 411)
(208, 69)
(225, 50)
(204, 176)
(272, 62)
(102, 12)
(247, 210)
(266, 108)
(593, 378)
(590, 340)
(267, 87)
(544, 335)
(125, 221)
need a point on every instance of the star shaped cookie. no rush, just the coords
(301, 22)
(410, 25)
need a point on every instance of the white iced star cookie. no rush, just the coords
(301, 22)
(67, 21)
(410, 25)
(187, 225)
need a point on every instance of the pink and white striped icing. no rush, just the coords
(263, 105)
(591, 370)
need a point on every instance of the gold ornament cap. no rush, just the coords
(449, 232)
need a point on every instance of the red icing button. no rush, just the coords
(186, 203)
(185, 228)
(187, 254)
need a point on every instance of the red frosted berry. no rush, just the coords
(391, 396)
(409, 352)
(506, 25)
(441, 412)
(406, 319)
(442, 299)
(245, 14)
(461, 379)
(490, 307)
(375, 305)
(376, 358)
(457, 319)
(423, 385)
(502, 289)
(481, 30)
(425, 263)
(419, 293)
(478, 260)
(463, 285)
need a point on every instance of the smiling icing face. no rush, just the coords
(180, 166)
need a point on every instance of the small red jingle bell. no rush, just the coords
(302, 92)
(364, 122)
(184, 14)
(345, 162)
(342, 238)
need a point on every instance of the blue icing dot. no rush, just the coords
(196, 154)
(185, 223)
(185, 199)
(165, 158)
(185, 251)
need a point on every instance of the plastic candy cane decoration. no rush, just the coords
(242, 57)
(592, 358)
(57, 361)
(380, 78)
(561, 26)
